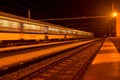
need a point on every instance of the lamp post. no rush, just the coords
(112, 26)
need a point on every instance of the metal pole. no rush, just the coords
(66, 25)
(29, 14)
(113, 7)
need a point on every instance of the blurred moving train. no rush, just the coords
(16, 29)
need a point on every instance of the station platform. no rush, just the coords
(8, 61)
(30, 46)
(106, 65)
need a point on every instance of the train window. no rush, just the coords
(49, 29)
(74, 32)
(69, 32)
(60, 30)
(14, 25)
(53, 29)
(63, 31)
(42, 28)
(4, 23)
(80, 32)
(9, 24)
(56, 29)
(45, 29)
(31, 27)
(85, 33)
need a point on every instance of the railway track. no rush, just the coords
(68, 65)
(68, 68)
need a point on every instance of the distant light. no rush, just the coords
(114, 14)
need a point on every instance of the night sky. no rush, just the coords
(44, 9)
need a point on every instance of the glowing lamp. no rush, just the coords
(114, 14)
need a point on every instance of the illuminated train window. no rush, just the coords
(49, 29)
(31, 27)
(74, 32)
(80, 32)
(64, 31)
(56, 29)
(9, 24)
(53, 29)
(69, 32)
(43, 28)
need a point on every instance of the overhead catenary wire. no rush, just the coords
(75, 18)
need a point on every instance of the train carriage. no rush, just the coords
(15, 29)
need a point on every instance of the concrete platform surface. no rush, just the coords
(106, 65)
(20, 58)
(30, 46)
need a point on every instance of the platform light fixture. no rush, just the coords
(114, 14)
